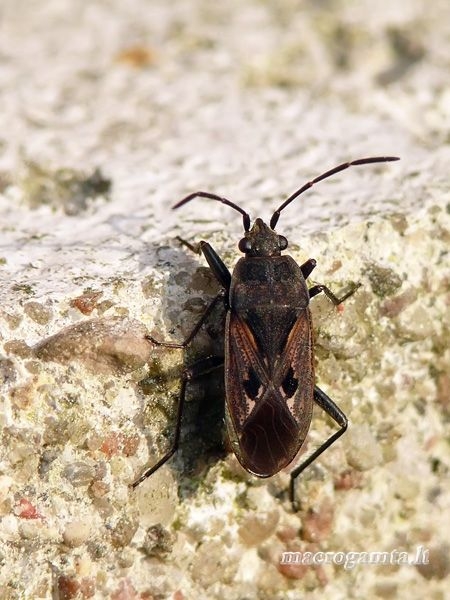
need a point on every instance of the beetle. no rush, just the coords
(268, 359)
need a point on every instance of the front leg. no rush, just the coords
(308, 267)
(216, 264)
(316, 289)
(223, 276)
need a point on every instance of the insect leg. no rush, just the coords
(326, 404)
(216, 264)
(316, 289)
(201, 367)
(195, 330)
(308, 267)
(195, 248)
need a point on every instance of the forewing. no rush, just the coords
(294, 372)
(246, 376)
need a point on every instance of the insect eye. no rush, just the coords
(245, 245)
(282, 242)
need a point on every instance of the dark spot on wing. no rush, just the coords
(252, 384)
(290, 383)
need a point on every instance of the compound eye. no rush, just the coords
(282, 242)
(245, 245)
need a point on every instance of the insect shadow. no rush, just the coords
(201, 432)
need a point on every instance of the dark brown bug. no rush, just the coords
(269, 370)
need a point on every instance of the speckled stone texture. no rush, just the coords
(112, 112)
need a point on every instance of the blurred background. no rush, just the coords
(245, 98)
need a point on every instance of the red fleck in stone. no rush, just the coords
(125, 591)
(87, 587)
(317, 523)
(86, 302)
(287, 534)
(293, 571)
(118, 443)
(68, 587)
(26, 510)
(348, 480)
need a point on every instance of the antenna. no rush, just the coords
(245, 216)
(342, 167)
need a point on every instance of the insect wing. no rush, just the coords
(269, 399)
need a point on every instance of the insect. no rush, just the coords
(268, 358)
